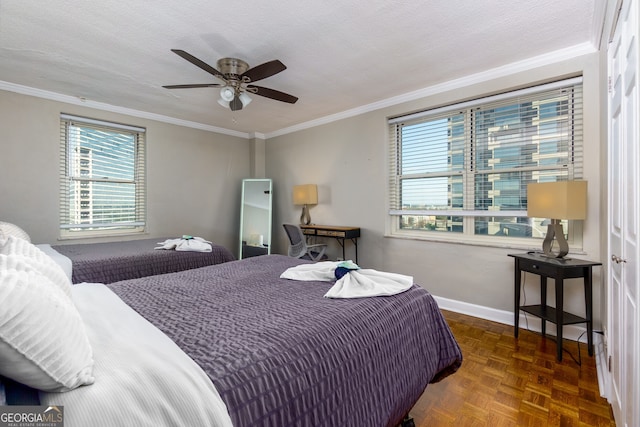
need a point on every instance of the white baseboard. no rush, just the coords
(602, 366)
(532, 323)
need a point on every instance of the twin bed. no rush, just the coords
(235, 344)
(114, 261)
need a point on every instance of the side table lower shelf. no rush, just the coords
(549, 313)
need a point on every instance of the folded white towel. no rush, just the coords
(193, 244)
(358, 283)
(321, 271)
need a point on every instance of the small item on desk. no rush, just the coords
(256, 240)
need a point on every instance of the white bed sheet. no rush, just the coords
(142, 378)
(60, 259)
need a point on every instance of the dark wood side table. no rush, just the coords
(557, 269)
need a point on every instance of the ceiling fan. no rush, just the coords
(237, 78)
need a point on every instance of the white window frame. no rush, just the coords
(78, 216)
(573, 170)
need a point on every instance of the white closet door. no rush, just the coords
(624, 218)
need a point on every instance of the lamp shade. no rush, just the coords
(227, 93)
(306, 194)
(557, 200)
(245, 99)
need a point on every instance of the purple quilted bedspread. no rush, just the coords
(281, 354)
(115, 261)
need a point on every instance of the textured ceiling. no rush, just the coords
(340, 55)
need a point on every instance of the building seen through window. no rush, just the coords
(103, 181)
(465, 171)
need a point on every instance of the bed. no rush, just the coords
(114, 261)
(235, 344)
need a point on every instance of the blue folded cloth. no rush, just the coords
(344, 268)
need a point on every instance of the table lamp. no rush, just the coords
(304, 195)
(557, 201)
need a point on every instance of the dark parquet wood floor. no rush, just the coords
(509, 382)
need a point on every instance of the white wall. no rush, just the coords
(348, 161)
(194, 177)
(194, 180)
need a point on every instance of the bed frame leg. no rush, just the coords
(407, 422)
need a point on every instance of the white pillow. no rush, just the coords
(43, 342)
(37, 260)
(64, 262)
(7, 229)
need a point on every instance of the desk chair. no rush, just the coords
(298, 247)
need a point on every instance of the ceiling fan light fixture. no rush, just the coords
(237, 79)
(245, 99)
(227, 93)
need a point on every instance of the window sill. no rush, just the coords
(492, 242)
(102, 234)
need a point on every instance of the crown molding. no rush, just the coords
(257, 135)
(498, 72)
(53, 96)
(506, 70)
(599, 24)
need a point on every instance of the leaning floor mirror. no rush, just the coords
(255, 218)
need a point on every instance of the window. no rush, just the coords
(461, 172)
(102, 178)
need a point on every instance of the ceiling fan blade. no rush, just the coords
(235, 104)
(192, 86)
(265, 70)
(273, 94)
(198, 63)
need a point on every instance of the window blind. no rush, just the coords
(102, 177)
(475, 159)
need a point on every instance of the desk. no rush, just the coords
(335, 231)
(557, 269)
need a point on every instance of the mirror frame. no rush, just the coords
(246, 183)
